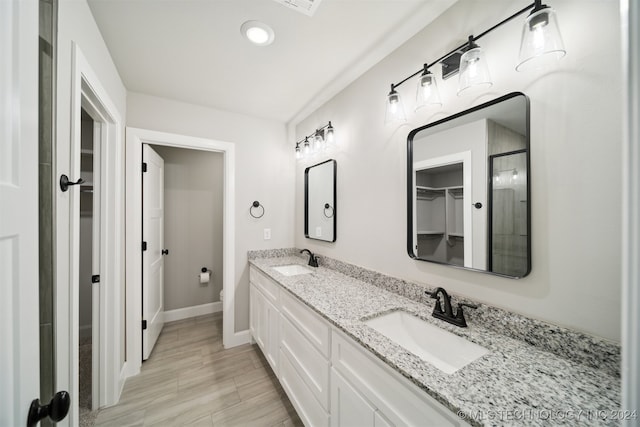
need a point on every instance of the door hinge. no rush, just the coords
(144, 166)
(144, 246)
(144, 325)
(95, 278)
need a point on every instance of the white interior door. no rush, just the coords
(19, 329)
(152, 258)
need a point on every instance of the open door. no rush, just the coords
(152, 249)
(19, 276)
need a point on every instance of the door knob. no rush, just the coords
(477, 205)
(57, 409)
(65, 183)
(165, 252)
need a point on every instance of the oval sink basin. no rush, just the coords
(292, 270)
(446, 351)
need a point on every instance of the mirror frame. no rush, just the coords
(306, 201)
(410, 182)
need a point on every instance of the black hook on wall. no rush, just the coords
(256, 204)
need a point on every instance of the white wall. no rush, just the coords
(575, 164)
(264, 172)
(193, 197)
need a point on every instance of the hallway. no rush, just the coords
(191, 380)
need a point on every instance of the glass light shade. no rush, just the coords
(329, 135)
(427, 93)
(320, 145)
(306, 148)
(541, 43)
(298, 152)
(395, 110)
(474, 71)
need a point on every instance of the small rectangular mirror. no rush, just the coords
(320, 201)
(468, 189)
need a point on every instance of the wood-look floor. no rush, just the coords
(191, 380)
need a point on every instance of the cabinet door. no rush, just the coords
(348, 407)
(264, 321)
(257, 316)
(271, 335)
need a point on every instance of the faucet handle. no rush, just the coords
(460, 313)
(434, 294)
(464, 304)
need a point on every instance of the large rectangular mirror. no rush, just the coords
(320, 201)
(468, 189)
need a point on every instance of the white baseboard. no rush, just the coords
(196, 310)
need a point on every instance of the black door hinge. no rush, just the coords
(144, 246)
(95, 278)
(144, 167)
(144, 325)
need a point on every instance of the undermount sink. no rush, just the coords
(446, 351)
(292, 270)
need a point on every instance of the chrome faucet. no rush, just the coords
(446, 314)
(313, 259)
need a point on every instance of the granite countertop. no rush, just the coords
(516, 383)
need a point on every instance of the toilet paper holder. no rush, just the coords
(205, 270)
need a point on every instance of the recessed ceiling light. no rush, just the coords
(257, 33)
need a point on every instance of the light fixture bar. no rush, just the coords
(537, 4)
(315, 132)
(326, 134)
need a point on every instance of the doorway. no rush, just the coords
(185, 251)
(194, 209)
(89, 267)
(135, 138)
(107, 312)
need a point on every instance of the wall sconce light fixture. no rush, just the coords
(427, 92)
(316, 142)
(541, 44)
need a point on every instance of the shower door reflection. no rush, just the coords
(509, 221)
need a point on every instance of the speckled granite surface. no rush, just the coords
(515, 384)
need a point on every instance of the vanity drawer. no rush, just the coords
(310, 364)
(307, 407)
(269, 288)
(312, 326)
(401, 402)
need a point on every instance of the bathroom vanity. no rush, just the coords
(314, 327)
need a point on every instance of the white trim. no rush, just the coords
(134, 140)
(630, 32)
(87, 90)
(194, 311)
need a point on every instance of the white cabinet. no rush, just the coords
(296, 342)
(302, 398)
(328, 377)
(395, 400)
(264, 325)
(348, 407)
(264, 317)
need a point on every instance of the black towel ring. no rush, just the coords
(327, 206)
(256, 204)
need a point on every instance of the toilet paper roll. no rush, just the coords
(204, 277)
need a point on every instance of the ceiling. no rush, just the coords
(192, 50)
